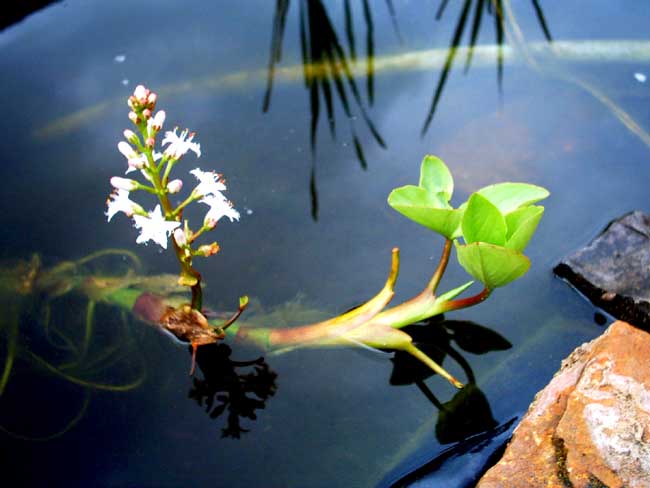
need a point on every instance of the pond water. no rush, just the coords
(315, 234)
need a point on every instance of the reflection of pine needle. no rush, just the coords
(74, 421)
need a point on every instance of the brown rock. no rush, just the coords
(590, 426)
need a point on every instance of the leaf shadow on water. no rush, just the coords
(465, 421)
(468, 412)
(240, 387)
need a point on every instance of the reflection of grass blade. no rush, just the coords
(542, 20)
(441, 9)
(370, 51)
(304, 48)
(476, 27)
(498, 26)
(313, 193)
(279, 21)
(449, 61)
(393, 18)
(358, 149)
(327, 94)
(349, 30)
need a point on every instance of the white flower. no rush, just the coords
(174, 186)
(126, 150)
(220, 206)
(209, 183)
(155, 123)
(178, 146)
(141, 93)
(120, 203)
(139, 162)
(154, 227)
(180, 237)
(124, 183)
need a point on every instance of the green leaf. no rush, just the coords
(521, 226)
(451, 294)
(494, 266)
(435, 177)
(482, 222)
(428, 209)
(510, 196)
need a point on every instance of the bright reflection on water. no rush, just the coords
(310, 175)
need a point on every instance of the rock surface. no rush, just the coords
(590, 426)
(612, 271)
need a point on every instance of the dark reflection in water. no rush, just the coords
(468, 412)
(494, 8)
(327, 71)
(328, 62)
(240, 387)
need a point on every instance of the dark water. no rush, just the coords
(315, 233)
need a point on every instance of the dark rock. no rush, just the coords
(613, 270)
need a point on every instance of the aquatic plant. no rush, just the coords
(489, 232)
(157, 225)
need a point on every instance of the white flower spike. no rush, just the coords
(119, 201)
(154, 227)
(209, 183)
(220, 206)
(178, 146)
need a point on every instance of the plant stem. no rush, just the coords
(442, 266)
(459, 303)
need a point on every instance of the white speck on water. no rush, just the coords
(640, 77)
(249, 211)
(120, 58)
(125, 82)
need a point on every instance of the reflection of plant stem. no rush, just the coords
(88, 330)
(11, 316)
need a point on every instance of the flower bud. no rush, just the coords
(150, 142)
(158, 120)
(151, 100)
(141, 94)
(208, 250)
(136, 163)
(126, 150)
(124, 183)
(146, 113)
(210, 223)
(180, 237)
(133, 117)
(174, 186)
(130, 136)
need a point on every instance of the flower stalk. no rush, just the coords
(156, 167)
